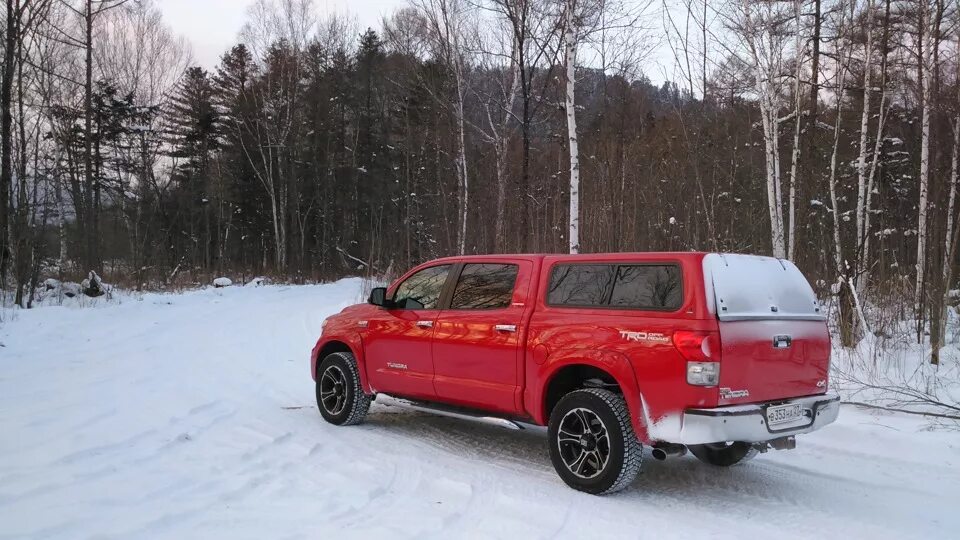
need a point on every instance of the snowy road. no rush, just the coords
(192, 416)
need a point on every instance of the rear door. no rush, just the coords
(476, 342)
(774, 337)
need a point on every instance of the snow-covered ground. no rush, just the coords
(193, 416)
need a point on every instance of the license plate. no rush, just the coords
(784, 413)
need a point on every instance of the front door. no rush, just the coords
(397, 343)
(476, 340)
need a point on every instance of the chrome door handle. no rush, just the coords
(425, 324)
(505, 328)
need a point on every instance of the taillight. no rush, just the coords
(702, 351)
(697, 346)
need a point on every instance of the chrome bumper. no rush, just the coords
(749, 422)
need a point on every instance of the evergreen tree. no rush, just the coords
(194, 131)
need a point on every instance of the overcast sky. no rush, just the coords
(212, 25)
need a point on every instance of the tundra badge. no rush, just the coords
(727, 393)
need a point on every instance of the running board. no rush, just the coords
(447, 410)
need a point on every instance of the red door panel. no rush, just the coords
(476, 352)
(398, 356)
(398, 339)
(475, 362)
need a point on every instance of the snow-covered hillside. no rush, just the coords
(193, 416)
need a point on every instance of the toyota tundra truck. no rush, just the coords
(720, 355)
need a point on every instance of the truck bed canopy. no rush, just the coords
(750, 287)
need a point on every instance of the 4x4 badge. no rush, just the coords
(782, 342)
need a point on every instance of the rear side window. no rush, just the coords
(485, 286)
(630, 286)
(647, 287)
(422, 290)
(580, 284)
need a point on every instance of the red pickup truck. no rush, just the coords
(722, 355)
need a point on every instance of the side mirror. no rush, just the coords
(378, 296)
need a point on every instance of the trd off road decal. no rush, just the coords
(655, 337)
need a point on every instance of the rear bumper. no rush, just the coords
(749, 422)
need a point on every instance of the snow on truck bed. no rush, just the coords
(193, 416)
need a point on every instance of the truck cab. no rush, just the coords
(722, 355)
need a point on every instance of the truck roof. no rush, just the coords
(618, 256)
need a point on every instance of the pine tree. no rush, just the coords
(194, 128)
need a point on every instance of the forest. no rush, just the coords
(826, 132)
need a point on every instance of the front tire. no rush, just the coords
(592, 443)
(340, 396)
(724, 454)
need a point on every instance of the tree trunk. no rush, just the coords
(862, 192)
(90, 259)
(844, 296)
(6, 139)
(797, 129)
(570, 58)
(771, 135)
(864, 273)
(501, 138)
(924, 46)
(461, 162)
(952, 199)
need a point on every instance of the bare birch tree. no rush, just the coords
(496, 50)
(928, 43)
(571, 37)
(863, 248)
(862, 193)
(287, 24)
(800, 52)
(764, 29)
(582, 21)
(447, 31)
(843, 52)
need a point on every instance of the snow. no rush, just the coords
(193, 416)
(221, 282)
(257, 282)
(754, 287)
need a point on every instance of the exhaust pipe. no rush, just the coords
(783, 443)
(664, 450)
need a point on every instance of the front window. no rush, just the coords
(423, 289)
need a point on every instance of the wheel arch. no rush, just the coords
(573, 376)
(348, 344)
(566, 371)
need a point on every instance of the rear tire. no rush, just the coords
(340, 396)
(592, 443)
(724, 454)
